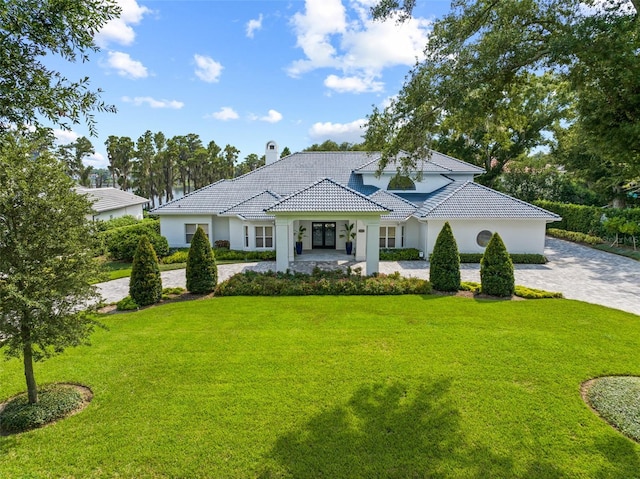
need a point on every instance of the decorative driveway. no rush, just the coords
(576, 271)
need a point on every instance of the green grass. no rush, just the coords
(388, 387)
(119, 269)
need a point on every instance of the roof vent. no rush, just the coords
(271, 152)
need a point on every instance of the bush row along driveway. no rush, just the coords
(577, 271)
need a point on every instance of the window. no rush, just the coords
(246, 236)
(387, 237)
(483, 238)
(191, 228)
(264, 236)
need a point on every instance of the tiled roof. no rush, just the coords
(471, 200)
(400, 208)
(108, 199)
(253, 208)
(436, 163)
(327, 195)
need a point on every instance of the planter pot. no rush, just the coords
(298, 247)
(349, 247)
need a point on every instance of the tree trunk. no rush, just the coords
(27, 353)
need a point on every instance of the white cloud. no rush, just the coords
(226, 113)
(97, 160)
(153, 103)
(352, 84)
(126, 66)
(208, 70)
(350, 41)
(64, 137)
(272, 116)
(254, 25)
(119, 29)
(338, 132)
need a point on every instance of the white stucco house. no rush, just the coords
(109, 203)
(322, 191)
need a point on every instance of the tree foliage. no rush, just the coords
(202, 272)
(145, 285)
(498, 74)
(32, 29)
(496, 269)
(444, 263)
(46, 260)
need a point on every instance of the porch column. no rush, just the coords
(282, 244)
(292, 241)
(361, 241)
(373, 245)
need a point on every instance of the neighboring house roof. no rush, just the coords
(400, 209)
(333, 182)
(471, 200)
(108, 199)
(253, 208)
(327, 195)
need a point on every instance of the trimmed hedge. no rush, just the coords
(399, 254)
(121, 243)
(201, 273)
(54, 402)
(223, 254)
(516, 258)
(251, 283)
(521, 291)
(575, 236)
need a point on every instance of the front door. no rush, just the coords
(323, 235)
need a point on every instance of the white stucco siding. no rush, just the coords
(135, 211)
(221, 229)
(519, 236)
(236, 233)
(173, 228)
(428, 183)
(412, 234)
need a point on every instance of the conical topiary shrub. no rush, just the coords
(496, 269)
(444, 264)
(202, 272)
(145, 286)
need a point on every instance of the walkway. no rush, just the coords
(576, 271)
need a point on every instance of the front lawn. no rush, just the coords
(388, 387)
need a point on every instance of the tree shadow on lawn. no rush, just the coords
(387, 431)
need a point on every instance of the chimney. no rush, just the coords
(271, 152)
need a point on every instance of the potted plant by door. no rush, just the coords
(349, 234)
(300, 235)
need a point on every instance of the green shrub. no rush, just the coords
(399, 254)
(444, 265)
(127, 304)
(119, 222)
(235, 255)
(531, 293)
(496, 269)
(202, 273)
(121, 243)
(176, 257)
(574, 236)
(470, 286)
(222, 244)
(319, 283)
(54, 402)
(173, 291)
(145, 285)
(516, 258)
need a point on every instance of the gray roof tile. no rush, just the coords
(400, 208)
(253, 208)
(327, 195)
(108, 199)
(436, 163)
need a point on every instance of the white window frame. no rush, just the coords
(262, 238)
(188, 237)
(385, 237)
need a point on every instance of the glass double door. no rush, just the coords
(323, 235)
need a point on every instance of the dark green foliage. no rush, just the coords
(127, 304)
(444, 265)
(145, 286)
(222, 244)
(319, 283)
(496, 269)
(119, 222)
(179, 256)
(202, 273)
(399, 254)
(55, 402)
(121, 243)
(516, 258)
(234, 255)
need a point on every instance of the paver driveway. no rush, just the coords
(576, 271)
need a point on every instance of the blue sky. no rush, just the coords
(243, 72)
